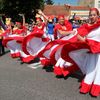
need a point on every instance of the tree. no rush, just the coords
(49, 2)
(1, 4)
(12, 8)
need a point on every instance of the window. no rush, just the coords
(99, 4)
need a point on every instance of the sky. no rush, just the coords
(72, 2)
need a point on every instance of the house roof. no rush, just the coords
(61, 9)
(79, 8)
(55, 10)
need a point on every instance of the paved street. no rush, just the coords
(21, 82)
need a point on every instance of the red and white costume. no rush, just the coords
(66, 27)
(52, 51)
(56, 56)
(86, 55)
(10, 42)
(61, 67)
(14, 43)
(36, 41)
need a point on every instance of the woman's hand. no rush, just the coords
(40, 12)
(80, 38)
(66, 32)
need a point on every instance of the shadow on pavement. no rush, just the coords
(5, 52)
(78, 75)
(48, 68)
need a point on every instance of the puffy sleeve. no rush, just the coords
(94, 46)
(57, 26)
(68, 25)
(82, 30)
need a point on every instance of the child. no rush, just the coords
(50, 29)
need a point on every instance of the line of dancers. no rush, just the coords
(67, 49)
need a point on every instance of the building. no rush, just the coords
(81, 11)
(90, 3)
(55, 10)
(66, 10)
(97, 4)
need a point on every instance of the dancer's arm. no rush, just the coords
(80, 38)
(42, 14)
(23, 17)
(66, 32)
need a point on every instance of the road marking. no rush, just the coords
(35, 65)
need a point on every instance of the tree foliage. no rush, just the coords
(49, 2)
(12, 8)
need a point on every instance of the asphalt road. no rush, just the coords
(21, 82)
